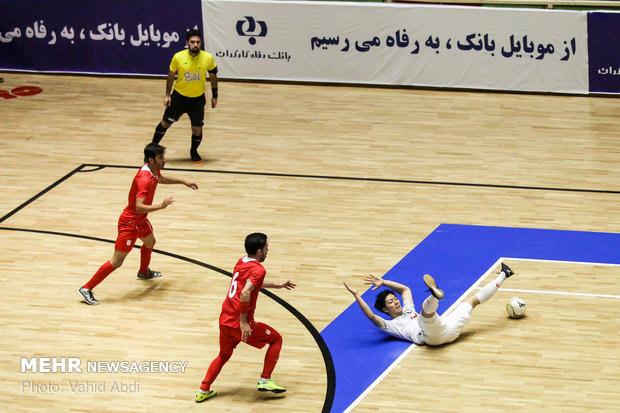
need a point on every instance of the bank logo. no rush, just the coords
(251, 28)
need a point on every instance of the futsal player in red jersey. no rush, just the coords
(133, 222)
(237, 318)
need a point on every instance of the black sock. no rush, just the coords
(196, 142)
(160, 131)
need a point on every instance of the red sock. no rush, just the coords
(214, 370)
(145, 259)
(271, 358)
(103, 271)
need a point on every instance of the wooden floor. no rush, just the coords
(422, 158)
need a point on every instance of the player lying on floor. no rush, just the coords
(426, 327)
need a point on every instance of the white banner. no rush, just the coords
(397, 44)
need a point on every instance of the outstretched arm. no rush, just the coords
(142, 208)
(376, 320)
(401, 289)
(288, 284)
(167, 180)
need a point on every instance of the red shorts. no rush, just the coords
(129, 232)
(261, 335)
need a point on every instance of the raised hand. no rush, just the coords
(373, 280)
(351, 289)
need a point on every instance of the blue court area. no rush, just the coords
(456, 255)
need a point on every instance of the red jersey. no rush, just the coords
(143, 186)
(246, 269)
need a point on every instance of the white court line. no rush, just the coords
(564, 262)
(562, 292)
(465, 295)
(412, 346)
(558, 293)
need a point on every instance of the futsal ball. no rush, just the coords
(515, 307)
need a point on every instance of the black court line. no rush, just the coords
(327, 358)
(385, 180)
(330, 370)
(329, 364)
(40, 194)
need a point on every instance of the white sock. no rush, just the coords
(488, 290)
(467, 307)
(429, 306)
(202, 391)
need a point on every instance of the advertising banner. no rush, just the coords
(604, 52)
(399, 44)
(94, 36)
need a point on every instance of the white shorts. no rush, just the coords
(438, 330)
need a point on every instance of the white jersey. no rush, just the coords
(406, 325)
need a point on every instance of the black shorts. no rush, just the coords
(179, 104)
